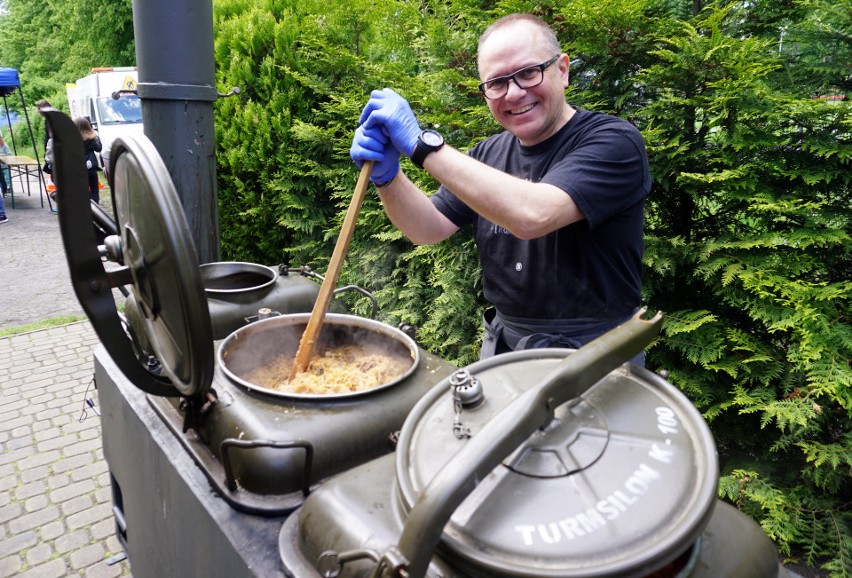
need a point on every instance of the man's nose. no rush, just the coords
(514, 90)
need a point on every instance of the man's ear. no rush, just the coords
(564, 64)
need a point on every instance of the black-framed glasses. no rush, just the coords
(528, 77)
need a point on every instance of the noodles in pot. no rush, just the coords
(337, 370)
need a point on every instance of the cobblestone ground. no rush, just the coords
(55, 506)
(55, 502)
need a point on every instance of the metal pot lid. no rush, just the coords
(156, 246)
(151, 244)
(620, 483)
(259, 345)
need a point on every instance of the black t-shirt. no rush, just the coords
(590, 269)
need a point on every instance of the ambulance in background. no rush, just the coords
(107, 97)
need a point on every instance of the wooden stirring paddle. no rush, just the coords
(312, 331)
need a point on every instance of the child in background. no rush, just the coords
(92, 144)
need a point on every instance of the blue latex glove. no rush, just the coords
(390, 112)
(371, 144)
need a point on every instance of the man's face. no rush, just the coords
(532, 114)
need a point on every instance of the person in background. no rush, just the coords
(41, 105)
(4, 186)
(47, 168)
(3, 217)
(92, 145)
(556, 201)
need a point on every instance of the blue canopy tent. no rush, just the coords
(9, 83)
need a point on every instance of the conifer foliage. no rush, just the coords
(749, 251)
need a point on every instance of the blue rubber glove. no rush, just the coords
(390, 112)
(371, 144)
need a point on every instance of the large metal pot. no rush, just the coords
(268, 340)
(264, 450)
(536, 464)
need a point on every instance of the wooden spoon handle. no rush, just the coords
(309, 337)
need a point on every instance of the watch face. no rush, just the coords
(432, 138)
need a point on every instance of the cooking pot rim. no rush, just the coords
(208, 269)
(300, 319)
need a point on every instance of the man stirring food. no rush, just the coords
(556, 201)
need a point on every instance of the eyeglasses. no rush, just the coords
(528, 77)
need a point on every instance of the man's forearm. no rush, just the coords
(411, 211)
(528, 210)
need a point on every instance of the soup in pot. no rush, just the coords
(343, 369)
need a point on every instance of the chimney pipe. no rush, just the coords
(177, 87)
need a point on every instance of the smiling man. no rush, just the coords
(556, 201)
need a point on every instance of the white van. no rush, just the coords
(107, 97)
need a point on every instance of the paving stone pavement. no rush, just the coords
(34, 281)
(55, 499)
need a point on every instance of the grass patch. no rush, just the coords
(46, 324)
(52, 322)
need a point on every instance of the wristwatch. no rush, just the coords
(428, 142)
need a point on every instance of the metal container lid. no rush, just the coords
(157, 247)
(158, 260)
(620, 483)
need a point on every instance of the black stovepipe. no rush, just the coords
(177, 87)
